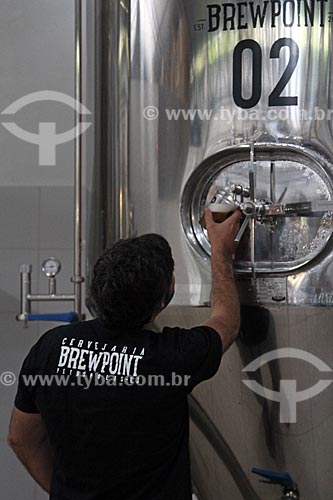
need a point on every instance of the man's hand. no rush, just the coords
(222, 235)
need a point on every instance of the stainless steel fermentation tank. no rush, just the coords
(194, 97)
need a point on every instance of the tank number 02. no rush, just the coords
(275, 98)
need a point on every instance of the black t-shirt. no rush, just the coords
(116, 412)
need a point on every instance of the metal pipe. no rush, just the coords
(77, 279)
(273, 200)
(224, 452)
(48, 297)
(242, 228)
(272, 183)
(252, 174)
(122, 98)
(302, 208)
(52, 286)
(252, 183)
(25, 272)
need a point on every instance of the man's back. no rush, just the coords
(117, 415)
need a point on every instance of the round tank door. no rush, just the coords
(292, 195)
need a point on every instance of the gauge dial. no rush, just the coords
(51, 267)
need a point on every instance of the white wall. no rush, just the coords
(36, 53)
(36, 202)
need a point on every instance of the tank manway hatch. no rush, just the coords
(291, 224)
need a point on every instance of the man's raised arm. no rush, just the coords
(225, 314)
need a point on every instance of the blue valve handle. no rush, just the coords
(69, 317)
(281, 478)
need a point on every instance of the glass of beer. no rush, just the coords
(221, 207)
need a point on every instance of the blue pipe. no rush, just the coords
(68, 317)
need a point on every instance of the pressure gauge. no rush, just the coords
(51, 267)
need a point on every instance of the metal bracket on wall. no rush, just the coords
(50, 268)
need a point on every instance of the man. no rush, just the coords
(109, 433)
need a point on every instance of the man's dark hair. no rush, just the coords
(131, 280)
